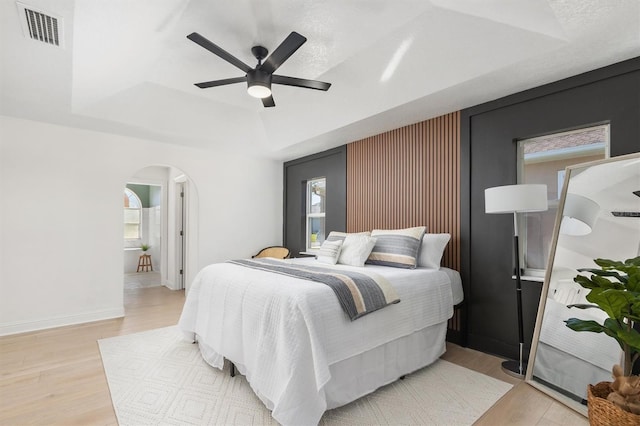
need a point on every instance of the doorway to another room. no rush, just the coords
(155, 232)
(142, 235)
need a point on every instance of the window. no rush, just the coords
(316, 209)
(543, 160)
(132, 215)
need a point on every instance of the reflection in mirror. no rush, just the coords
(598, 217)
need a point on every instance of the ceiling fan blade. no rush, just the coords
(223, 82)
(268, 102)
(211, 47)
(300, 82)
(282, 52)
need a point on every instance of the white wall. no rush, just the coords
(131, 258)
(61, 257)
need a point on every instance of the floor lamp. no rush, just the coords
(516, 199)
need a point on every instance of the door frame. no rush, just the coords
(181, 184)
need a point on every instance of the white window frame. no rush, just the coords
(566, 153)
(139, 237)
(309, 214)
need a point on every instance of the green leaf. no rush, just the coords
(633, 281)
(585, 282)
(630, 337)
(583, 306)
(635, 261)
(611, 328)
(635, 310)
(606, 283)
(614, 302)
(596, 281)
(584, 325)
(606, 273)
(607, 263)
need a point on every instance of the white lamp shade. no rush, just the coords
(579, 215)
(515, 198)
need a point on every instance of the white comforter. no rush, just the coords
(283, 333)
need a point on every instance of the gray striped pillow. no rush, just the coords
(329, 252)
(397, 248)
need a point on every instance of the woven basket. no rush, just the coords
(605, 413)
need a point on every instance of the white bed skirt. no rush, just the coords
(362, 374)
(566, 371)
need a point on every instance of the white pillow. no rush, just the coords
(329, 252)
(335, 235)
(356, 249)
(432, 249)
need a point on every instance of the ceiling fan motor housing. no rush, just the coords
(257, 77)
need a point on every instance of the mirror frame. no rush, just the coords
(575, 405)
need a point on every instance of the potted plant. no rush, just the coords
(615, 289)
(145, 247)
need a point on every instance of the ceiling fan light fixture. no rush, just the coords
(258, 91)
(258, 83)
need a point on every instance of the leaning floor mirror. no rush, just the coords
(598, 217)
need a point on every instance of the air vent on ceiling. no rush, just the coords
(41, 26)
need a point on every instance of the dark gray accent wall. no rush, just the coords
(488, 158)
(332, 165)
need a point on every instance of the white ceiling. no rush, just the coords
(127, 67)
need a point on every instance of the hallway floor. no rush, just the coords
(141, 280)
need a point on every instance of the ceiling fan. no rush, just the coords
(260, 78)
(628, 213)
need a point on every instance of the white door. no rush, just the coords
(180, 234)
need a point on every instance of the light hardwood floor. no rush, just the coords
(55, 377)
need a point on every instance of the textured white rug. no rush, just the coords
(156, 377)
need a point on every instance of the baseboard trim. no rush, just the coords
(27, 326)
(457, 337)
(497, 348)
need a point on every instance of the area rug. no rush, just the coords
(158, 378)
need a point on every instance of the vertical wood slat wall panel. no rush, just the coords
(408, 177)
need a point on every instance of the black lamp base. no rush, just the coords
(512, 368)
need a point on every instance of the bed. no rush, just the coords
(296, 347)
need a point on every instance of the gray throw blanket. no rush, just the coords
(359, 293)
